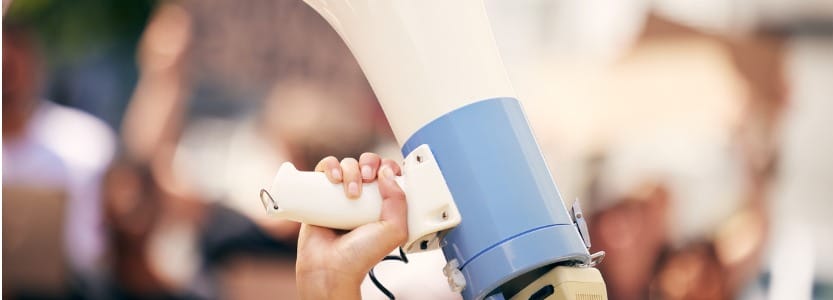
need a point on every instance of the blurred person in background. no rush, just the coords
(686, 158)
(88, 50)
(724, 260)
(48, 146)
(210, 148)
(678, 105)
(782, 48)
(134, 201)
(179, 239)
(40, 176)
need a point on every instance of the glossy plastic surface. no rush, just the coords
(513, 216)
(423, 58)
(309, 197)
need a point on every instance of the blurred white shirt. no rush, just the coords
(85, 145)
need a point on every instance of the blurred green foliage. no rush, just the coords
(68, 29)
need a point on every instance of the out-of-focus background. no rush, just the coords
(137, 133)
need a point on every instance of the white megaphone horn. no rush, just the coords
(422, 58)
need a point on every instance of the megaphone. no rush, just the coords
(437, 73)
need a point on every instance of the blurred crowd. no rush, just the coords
(137, 134)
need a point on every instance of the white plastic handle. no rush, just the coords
(309, 197)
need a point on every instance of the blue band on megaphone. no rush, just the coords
(504, 191)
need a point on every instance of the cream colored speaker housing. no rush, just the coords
(566, 283)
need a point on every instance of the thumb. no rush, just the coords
(394, 205)
(377, 239)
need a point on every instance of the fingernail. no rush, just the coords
(387, 173)
(336, 174)
(353, 189)
(367, 173)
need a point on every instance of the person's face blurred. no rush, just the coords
(632, 233)
(19, 82)
(692, 273)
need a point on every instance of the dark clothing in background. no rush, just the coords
(227, 233)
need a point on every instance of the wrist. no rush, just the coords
(328, 285)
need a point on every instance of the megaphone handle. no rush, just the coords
(309, 197)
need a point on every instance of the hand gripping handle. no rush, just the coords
(309, 197)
